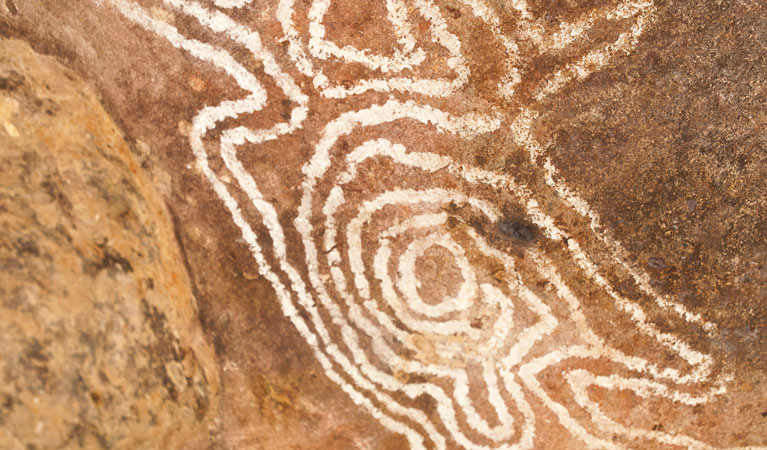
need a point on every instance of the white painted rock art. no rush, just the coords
(387, 192)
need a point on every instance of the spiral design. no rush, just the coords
(425, 286)
(364, 242)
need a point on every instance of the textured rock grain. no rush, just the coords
(100, 346)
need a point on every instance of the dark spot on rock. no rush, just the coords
(742, 161)
(81, 433)
(551, 18)
(656, 263)
(10, 264)
(95, 397)
(218, 344)
(53, 190)
(523, 232)
(87, 340)
(11, 7)
(202, 403)
(690, 299)
(7, 402)
(61, 231)
(455, 12)
(657, 427)
(476, 223)
(764, 413)
(426, 403)
(35, 351)
(35, 364)
(111, 261)
(11, 81)
(156, 319)
(6, 407)
(79, 387)
(27, 247)
(18, 298)
(285, 114)
(77, 433)
(170, 387)
(476, 323)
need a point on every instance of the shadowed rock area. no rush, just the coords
(421, 224)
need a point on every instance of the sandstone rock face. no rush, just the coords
(100, 346)
(451, 224)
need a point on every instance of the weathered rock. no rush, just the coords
(100, 345)
(589, 173)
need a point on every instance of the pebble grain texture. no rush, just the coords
(426, 224)
(101, 345)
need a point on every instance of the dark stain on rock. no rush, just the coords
(10, 264)
(35, 351)
(11, 81)
(455, 12)
(6, 407)
(27, 247)
(656, 263)
(35, 366)
(185, 261)
(54, 191)
(156, 320)
(219, 345)
(170, 387)
(202, 404)
(285, 114)
(166, 349)
(477, 224)
(110, 260)
(520, 231)
(95, 397)
(11, 7)
(80, 433)
(87, 340)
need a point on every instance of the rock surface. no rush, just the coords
(590, 174)
(101, 345)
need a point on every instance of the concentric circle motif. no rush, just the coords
(443, 298)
